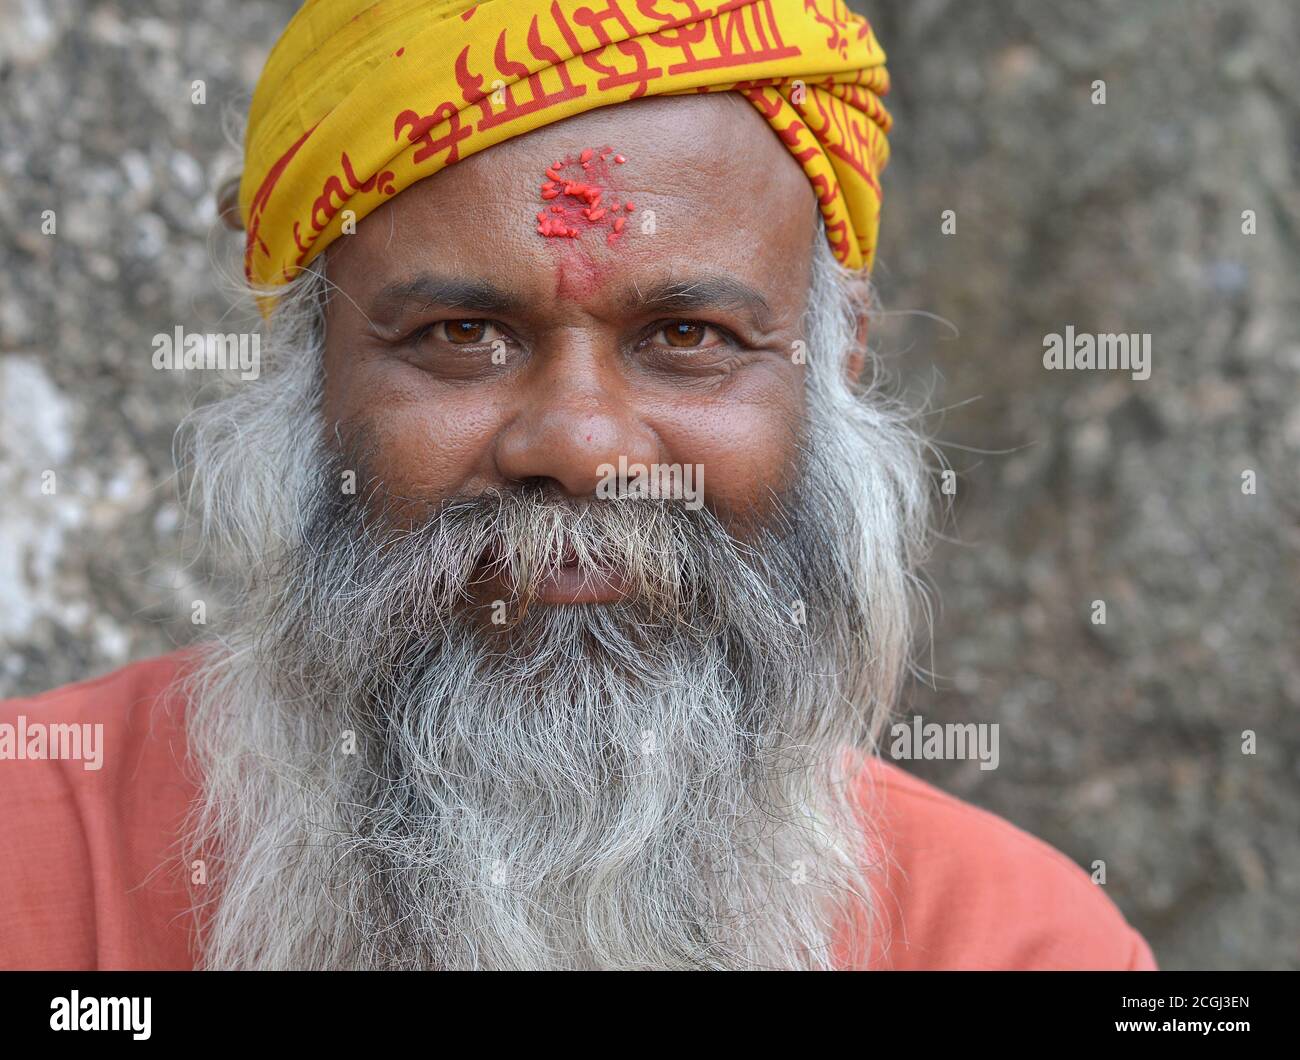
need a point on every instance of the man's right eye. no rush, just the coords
(455, 333)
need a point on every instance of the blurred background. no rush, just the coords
(1119, 742)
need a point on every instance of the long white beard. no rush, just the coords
(389, 782)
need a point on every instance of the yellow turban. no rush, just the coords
(361, 98)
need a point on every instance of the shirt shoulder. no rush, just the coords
(962, 888)
(94, 796)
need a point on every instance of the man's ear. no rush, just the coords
(228, 204)
(856, 361)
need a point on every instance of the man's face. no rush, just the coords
(466, 351)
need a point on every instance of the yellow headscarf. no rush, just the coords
(361, 98)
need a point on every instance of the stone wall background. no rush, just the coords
(1119, 742)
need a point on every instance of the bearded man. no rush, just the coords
(482, 698)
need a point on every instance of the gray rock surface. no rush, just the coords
(1120, 742)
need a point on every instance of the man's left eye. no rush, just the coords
(684, 334)
(466, 332)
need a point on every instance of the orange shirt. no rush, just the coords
(90, 877)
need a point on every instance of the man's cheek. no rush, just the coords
(424, 453)
(747, 459)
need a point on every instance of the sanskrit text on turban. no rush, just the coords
(360, 99)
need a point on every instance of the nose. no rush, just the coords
(577, 414)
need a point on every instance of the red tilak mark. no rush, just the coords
(398, 54)
(551, 226)
(578, 200)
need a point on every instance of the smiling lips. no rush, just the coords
(569, 582)
(572, 584)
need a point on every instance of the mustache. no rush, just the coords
(680, 565)
(513, 542)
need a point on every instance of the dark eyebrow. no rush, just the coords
(703, 292)
(480, 296)
(476, 296)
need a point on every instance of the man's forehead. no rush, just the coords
(695, 133)
(698, 179)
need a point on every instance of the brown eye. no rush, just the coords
(683, 333)
(465, 332)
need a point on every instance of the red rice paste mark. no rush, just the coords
(579, 198)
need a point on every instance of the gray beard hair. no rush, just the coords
(388, 780)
